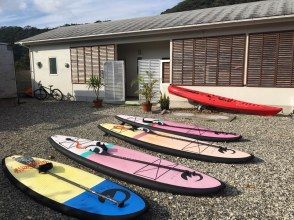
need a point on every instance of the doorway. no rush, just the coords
(132, 53)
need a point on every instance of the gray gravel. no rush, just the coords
(262, 189)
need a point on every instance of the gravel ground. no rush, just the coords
(262, 189)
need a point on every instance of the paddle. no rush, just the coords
(45, 169)
(100, 148)
(156, 121)
(221, 149)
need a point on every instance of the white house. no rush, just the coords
(242, 51)
(8, 91)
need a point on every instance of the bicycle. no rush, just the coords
(69, 97)
(41, 93)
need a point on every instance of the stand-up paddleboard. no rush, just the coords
(179, 129)
(72, 191)
(175, 144)
(136, 167)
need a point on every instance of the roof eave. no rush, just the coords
(206, 26)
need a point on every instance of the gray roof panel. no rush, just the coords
(231, 13)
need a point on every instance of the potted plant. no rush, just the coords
(95, 83)
(146, 90)
(164, 102)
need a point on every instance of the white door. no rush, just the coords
(114, 81)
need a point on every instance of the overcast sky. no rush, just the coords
(52, 13)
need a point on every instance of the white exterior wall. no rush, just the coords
(62, 80)
(7, 73)
(129, 46)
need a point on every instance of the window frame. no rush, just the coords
(53, 74)
(162, 62)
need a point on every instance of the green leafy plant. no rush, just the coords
(146, 87)
(164, 102)
(95, 83)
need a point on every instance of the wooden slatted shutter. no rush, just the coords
(110, 52)
(177, 67)
(89, 61)
(270, 62)
(188, 62)
(255, 60)
(200, 61)
(74, 65)
(225, 60)
(102, 56)
(95, 61)
(237, 60)
(213, 61)
(166, 72)
(81, 65)
(285, 76)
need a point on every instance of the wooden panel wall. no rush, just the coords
(271, 57)
(89, 61)
(213, 61)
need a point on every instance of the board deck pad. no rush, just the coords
(70, 199)
(137, 167)
(175, 144)
(191, 131)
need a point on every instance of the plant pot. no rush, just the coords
(146, 106)
(97, 103)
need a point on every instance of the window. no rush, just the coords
(271, 60)
(212, 61)
(165, 72)
(89, 61)
(53, 66)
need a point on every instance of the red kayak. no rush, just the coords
(223, 102)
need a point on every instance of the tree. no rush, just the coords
(187, 5)
(12, 34)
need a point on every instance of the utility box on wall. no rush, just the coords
(8, 91)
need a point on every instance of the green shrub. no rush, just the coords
(146, 87)
(95, 83)
(164, 102)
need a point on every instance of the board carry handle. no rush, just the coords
(144, 129)
(154, 121)
(45, 169)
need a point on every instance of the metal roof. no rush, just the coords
(225, 14)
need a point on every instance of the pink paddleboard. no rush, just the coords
(136, 167)
(190, 131)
